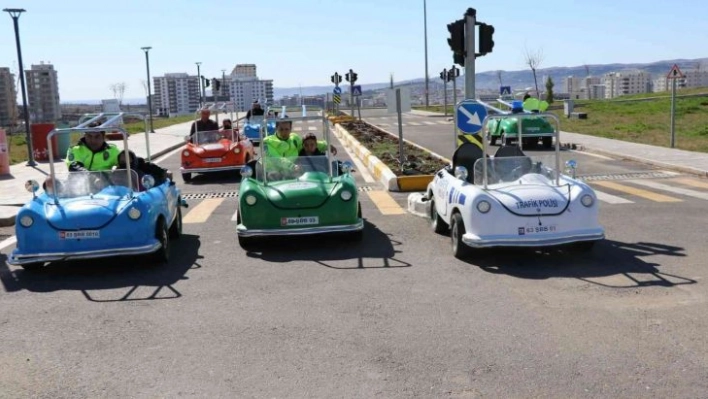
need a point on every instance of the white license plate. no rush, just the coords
(301, 221)
(79, 235)
(537, 229)
(212, 160)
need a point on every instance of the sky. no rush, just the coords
(94, 44)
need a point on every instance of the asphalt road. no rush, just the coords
(393, 316)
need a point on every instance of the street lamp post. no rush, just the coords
(15, 15)
(149, 99)
(425, 33)
(199, 83)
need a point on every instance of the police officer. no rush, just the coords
(92, 153)
(286, 144)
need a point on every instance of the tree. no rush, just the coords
(587, 69)
(499, 77)
(118, 90)
(533, 60)
(392, 81)
(549, 90)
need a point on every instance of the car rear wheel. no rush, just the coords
(32, 267)
(493, 140)
(187, 177)
(459, 248)
(359, 234)
(582, 246)
(436, 222)
(547, 142)
(162, 255)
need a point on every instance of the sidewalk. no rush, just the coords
(12, 187)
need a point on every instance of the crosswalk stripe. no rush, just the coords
(201, 212)
(429, 123)
(636, 191)
(611, 199)
(671, 189)
(415, 123)
(691, 182)
(312, 128)
(386, 204)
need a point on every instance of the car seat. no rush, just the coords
(466, 155)
(524, 162)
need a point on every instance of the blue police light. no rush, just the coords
(517, 106)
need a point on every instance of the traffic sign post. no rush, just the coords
(337, 92)
(504, 91)
(444, 77)
(469, 117)
(674, 74)
(452, 74)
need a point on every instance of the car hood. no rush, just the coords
(533, 195)
(82, 213)
(213, 150)
(296, 194)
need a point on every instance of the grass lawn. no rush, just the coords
(646, 122)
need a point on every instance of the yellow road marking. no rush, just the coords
(691, 182)
(201, 212)
(386, 204)
(637, 191)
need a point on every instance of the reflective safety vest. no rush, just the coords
(276, 147)
(81, 156)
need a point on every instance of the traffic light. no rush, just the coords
(443, 74)
(353, 77)
(486, 42)
(205, 81)
(347, 77)
(217, 84)
(457, 41)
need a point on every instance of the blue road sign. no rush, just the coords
(505, 90)
(469, 116)
(356, 90)
(337, 90)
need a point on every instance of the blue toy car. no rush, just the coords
(251, 128)
(85, 215)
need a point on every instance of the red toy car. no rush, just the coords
(215, 151)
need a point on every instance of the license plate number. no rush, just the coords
(300, 221)
(537, 229)
(79, 235)
(212, 160)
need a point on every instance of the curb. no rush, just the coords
(417, 206)
(380, 171)
(8, 214)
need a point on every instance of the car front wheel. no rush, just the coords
(459, 248)
(436, 222)
(162, 255)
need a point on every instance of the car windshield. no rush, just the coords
(110, 183)
(510, 169)
(212, 136)
(290, 168)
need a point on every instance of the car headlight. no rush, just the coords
(250, 200)
(347, 167)
(587, 200)
(246, 172)
(461, 172)
(26, 221)
(185, 153)
(31, 186)
(134, 213)
(484, 206)
(346, 195)
(237, 150)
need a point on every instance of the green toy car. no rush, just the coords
(304, 195)
(533, 129)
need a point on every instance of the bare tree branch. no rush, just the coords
(499, 77)
(533, 60)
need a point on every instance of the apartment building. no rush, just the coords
(43, 93)
(626, 82)
(583, 88)
(245, 87)
(693, 78)
(8, 98)
(175, 94)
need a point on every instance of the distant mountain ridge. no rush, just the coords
(520, 79)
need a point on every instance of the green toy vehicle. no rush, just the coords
(534, 130)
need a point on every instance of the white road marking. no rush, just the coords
(7, 242)
(611, 199)
(675, 190)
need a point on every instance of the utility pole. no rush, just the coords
(199, 84)
(470, 21)
(15, 15)
(425, 34)
(149, 99)
(337, 94)
(351, 77)
(452, 74)
(462, 43)
(223, 83)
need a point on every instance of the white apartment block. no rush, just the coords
(693, 78)
(582, 88)
(245, 87)
(175, 94)
(626, 82)
(8, 98)
(43, 93)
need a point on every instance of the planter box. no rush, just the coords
(380, 170)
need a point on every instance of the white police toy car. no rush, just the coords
(512, 199)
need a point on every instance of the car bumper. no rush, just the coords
(21, 259)
(244, 232)
(182, 169)
(545, 240)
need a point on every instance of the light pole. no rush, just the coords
(15, 15)
(149, 99)
(199, 83)
(425, 33)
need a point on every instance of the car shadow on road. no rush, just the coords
(376, 250)
(129, 278)
(608, 259)
(225, 177)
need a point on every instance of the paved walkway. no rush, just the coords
(13, 193)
